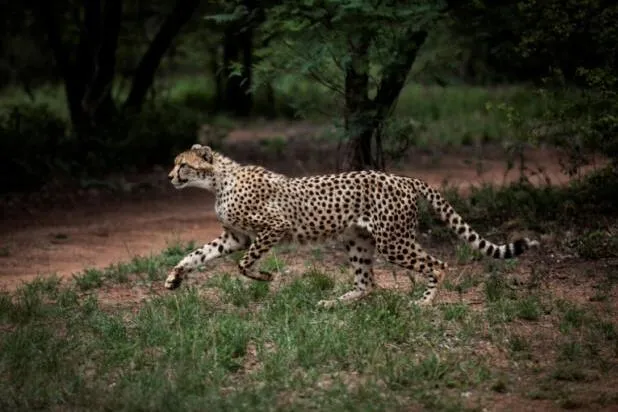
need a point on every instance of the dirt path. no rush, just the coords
(65, 240)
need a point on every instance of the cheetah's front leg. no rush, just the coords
(263, 242)
(227, 242)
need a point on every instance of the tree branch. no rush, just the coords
(395, 77)
(144, 74)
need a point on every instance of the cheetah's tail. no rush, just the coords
(464, 231)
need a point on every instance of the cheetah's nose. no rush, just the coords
(170, 176)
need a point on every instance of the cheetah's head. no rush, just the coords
(194, 167)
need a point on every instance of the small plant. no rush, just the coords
(500, 385)
(89, 279)
(118, 273)
(466, 280)
(500, 266)
(528, 308)
(519, 344)
(464, 253)
(257, 291)
(455, 312)
(598, 244)
(318, 280)
(232, 288)
(572, 317)
(495, 288)
(569, 372)
(151, 266)
(272, 264)
(238, 291)
(571, 351)
(606, 329)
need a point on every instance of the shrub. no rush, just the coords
(31, 137)
(37, 144)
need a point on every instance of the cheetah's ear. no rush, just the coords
(204, 152)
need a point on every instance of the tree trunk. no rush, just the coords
(357, 112)
(364, 117)
(87, 78)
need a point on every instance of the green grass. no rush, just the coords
(143, 268)
(456, 115)
(233, 344)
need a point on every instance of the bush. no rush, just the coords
(585, 124)
(31, 136)
(158, 133)
(37, 144)
(597, 244)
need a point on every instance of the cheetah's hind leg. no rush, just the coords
(360, 246)
(421, 262)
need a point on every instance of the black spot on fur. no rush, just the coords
(497, 253)
(175, 283)
(482, 244)
(472, 238)
(490, 250)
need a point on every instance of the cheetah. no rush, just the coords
(370, 210)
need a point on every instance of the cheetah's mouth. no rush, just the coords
(179, 183)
